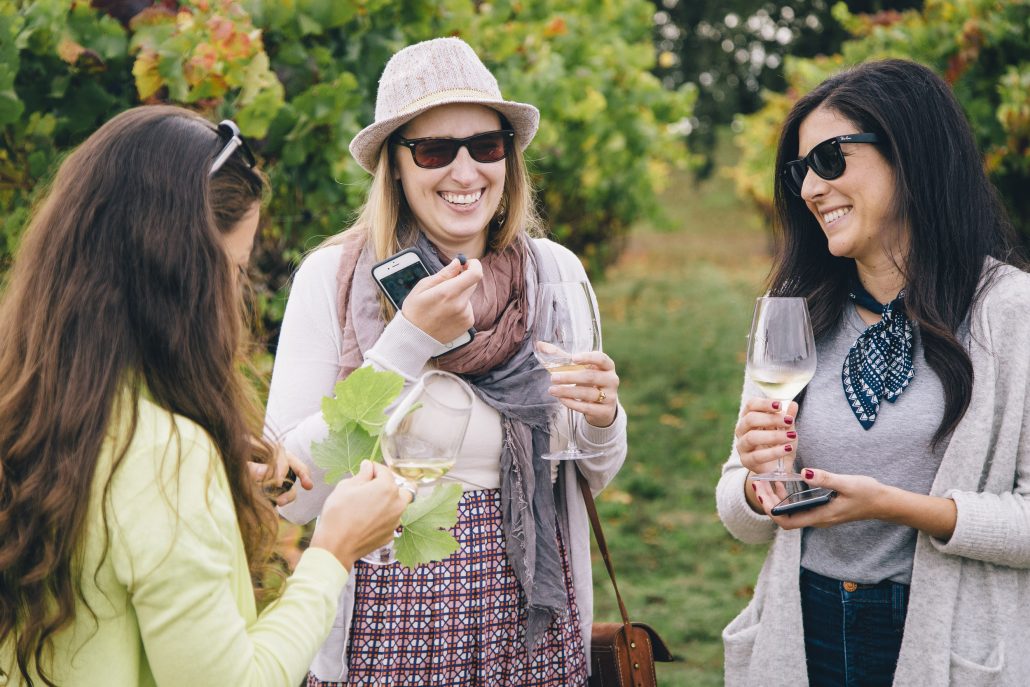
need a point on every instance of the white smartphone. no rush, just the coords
(397, 276)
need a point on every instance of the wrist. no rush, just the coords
(346, 558)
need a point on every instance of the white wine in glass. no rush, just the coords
(423, 436)
(781, 358)
(565, 325)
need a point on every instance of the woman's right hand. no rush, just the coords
(441, 304)
(764, 434)
(360, 514)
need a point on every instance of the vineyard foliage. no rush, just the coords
(299, 76)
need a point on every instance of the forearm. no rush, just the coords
(934, 515)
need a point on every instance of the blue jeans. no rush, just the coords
(852, 632)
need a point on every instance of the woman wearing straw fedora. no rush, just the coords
(513, 606)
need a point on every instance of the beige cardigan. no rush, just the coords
(968, 618)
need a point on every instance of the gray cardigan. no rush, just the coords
(969, 610)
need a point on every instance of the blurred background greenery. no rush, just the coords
(653, 163)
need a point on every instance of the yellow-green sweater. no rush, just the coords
(165, 573)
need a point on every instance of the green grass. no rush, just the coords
(676, 310)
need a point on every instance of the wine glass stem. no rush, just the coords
(572, 446)
(784, 407)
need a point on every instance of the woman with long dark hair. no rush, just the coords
(131, 522)
(917, 571)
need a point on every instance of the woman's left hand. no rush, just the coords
(858, 498)
(284, 463)
(593, 391)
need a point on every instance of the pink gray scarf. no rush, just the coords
(500, 366)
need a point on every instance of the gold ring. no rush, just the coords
(600, 395)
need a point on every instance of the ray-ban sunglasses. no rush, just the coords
(232, 140)
(825, 159)
(434, 153)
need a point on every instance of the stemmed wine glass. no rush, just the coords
(565, 325)
(423, 436)
(781, 358)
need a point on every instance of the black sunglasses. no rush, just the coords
(230, 134)
(826, 160)
(434, 153)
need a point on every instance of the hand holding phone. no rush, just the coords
(443, 307)
(803, 500)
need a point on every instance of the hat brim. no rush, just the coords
(365, 147)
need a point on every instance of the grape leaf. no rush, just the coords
(425, 537)
(341, 453)
(362, 398)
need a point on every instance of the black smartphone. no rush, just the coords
(397, 276)
(803, 500)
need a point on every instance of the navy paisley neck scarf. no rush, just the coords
(879, 364)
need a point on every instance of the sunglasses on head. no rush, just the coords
(433, 153)
(825, 159)
(233, 140)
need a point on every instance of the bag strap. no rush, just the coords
(595, 524)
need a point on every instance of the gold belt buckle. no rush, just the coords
(850, 586)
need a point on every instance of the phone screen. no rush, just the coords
(400, 283)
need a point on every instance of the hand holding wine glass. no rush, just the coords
(781, 359)
(423, 436)
(565, 327)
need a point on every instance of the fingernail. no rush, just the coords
(809, 474)
(788, 448)
(754, 487)
(792, 434)
(462, 259)
(776, 405)
(788, 419)
(760, 500)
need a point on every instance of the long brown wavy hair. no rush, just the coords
(121, 275)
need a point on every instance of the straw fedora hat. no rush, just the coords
(426, 75)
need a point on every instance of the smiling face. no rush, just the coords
(453, 205)
(856, 210)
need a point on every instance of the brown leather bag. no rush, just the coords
(621, 654)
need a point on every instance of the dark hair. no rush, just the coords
(942, 196)
(121, 283)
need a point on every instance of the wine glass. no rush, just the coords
(565, 325)
(423, 436)
(781, 358)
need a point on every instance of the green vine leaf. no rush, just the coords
(341, 453)
(426, 522)
(362, 398)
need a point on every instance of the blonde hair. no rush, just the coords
(387, 221)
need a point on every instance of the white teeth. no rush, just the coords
(835, 214)
(461, 198)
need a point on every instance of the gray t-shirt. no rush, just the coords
(895, 451)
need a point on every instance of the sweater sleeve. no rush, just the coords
(176, 547)
(738, 517)
(993, 522)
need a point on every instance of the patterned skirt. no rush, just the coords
(459, 622)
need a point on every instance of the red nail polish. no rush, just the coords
(788, 419)
(754, 487)
(809, 474)
(760, 500)
(792, 434)
(788, 448)
(776, 405)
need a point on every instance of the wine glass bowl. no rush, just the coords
(781, 358)
(565, 325)
(423, 436)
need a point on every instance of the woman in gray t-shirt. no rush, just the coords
(892, 232)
